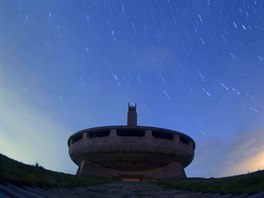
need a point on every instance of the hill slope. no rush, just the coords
(18, 173)
(249, 183)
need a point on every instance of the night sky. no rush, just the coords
(191, 66)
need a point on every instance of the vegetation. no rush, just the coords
(20, 174)
(250, 183)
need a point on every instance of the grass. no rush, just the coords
(249, 183)
(20, 174)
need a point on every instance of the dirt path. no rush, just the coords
(110, 190)
(129, 190)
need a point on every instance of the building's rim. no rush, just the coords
(130, 127)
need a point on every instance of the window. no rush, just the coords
(77, 138)
(98, 133)
(162, 135)
(130, 132)
(184, 140)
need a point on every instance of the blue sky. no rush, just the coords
(191, 66)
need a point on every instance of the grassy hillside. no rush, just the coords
(21, 174)
(250, 183)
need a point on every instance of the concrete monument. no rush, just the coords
(131, 151)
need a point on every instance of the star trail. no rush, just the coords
(191, 66)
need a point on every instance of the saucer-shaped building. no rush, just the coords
(131, 151)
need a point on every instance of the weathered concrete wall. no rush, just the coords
(104, 156)
(88, 168)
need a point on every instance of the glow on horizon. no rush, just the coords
(248, 156)
(248, 165)
(31, 136)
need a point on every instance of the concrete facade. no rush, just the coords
(131, 152)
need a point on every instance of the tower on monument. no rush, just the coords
(132, 114)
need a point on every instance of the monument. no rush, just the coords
(131, 151)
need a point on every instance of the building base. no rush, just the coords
(88, 168)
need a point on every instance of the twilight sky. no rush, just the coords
(191, 66)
